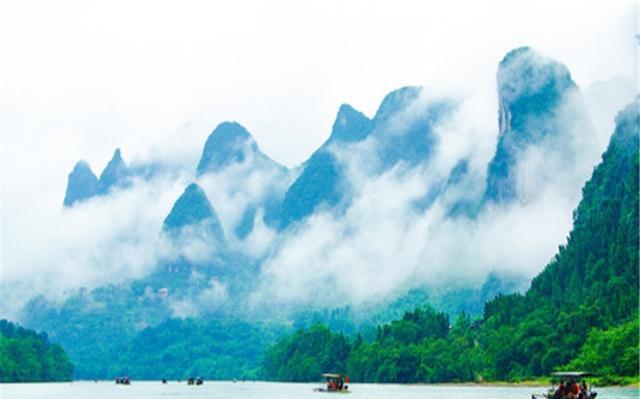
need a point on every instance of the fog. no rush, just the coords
(81, 79)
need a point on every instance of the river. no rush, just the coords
(265, 390)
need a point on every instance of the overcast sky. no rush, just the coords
(80, 78)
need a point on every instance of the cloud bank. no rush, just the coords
(81, 80)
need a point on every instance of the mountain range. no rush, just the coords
(216, 260)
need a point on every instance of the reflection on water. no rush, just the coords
(265, 390)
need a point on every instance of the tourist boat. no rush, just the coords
(571, 385)
(195, 381)
(336, 383)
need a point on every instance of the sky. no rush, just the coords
(154, 78)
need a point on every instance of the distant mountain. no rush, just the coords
(193, 208)
(114, 174)
(230, 143)
(539, 105)
(82, 185)
(230, 149)
(404, 126)
(401, 131)
(321, 182)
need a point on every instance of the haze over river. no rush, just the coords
(265, 390)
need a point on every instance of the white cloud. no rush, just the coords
(154, 78)
(383, 245)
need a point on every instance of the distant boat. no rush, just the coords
(123, 381)
(195, 381)
(572, 385)
(336, 383)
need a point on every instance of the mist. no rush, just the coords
(75, 90)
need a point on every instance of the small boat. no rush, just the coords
(572, 385)
(123, 381)
(336, 383)
(195, 381)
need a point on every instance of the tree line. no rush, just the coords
(26, 356)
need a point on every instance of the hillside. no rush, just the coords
(26, 356)
(580, 311)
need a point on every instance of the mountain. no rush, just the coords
(404, 127)
(82, 184)
(26, 356)
(595, 266)
(231, 157)
(114, 174)
(322, 182)
(539, 106)
(215, 255)
(401, 131)
(193, 208)
(229, 143)
(349, 126)
(581, 310)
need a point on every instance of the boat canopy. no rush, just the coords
(574, 374)
(330, 375)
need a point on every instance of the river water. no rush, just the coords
(266, 390)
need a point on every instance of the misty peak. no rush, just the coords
(117, 156)
(524, 75)
(229, 143)
(538, 103)
(82, 184)
(350, 125)
(395, 101)
(114, 174)
(193, 207)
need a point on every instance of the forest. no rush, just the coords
(580, 312)
(26, 356)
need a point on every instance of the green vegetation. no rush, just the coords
(614, 351)
(178, 349)
(26, 356)
(306, 354)
(580, 312)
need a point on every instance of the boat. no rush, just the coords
(195, 381)
(123, 381)
(571, 385)
(336, 383)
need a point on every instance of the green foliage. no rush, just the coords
(306, 354)
(592, 283)
(26, 356)
(613, 351)
(177, 349)
(580, 312)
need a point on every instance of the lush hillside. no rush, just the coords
(213, 349)
(581, 311)
(591, 283)
(26, 356)
(306, 354)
